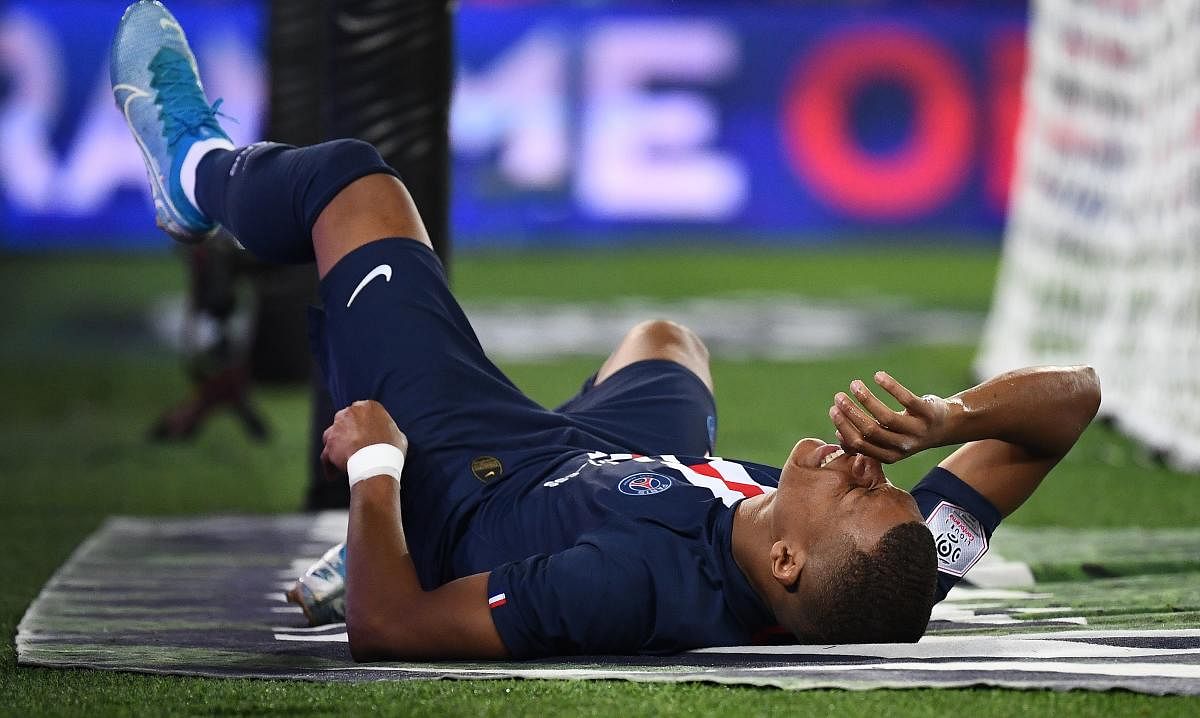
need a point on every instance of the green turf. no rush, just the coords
(964, 277)
(81, 381)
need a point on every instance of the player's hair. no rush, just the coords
(884, 596)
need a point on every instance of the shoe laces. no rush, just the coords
(183, 109)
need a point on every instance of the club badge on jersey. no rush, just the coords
(958, 536)
(644, 484)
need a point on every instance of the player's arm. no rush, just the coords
(388, 614)
(1014, 427)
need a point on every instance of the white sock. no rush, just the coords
(195, 153)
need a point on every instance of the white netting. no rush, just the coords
(1101, 260)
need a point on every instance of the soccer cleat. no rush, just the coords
(157, 86)
(321, 591)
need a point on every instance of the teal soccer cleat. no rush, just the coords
(321, 591)
(157, 86)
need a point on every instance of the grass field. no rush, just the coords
(81, 379)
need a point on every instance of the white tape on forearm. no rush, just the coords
(375, 460)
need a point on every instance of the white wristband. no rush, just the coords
(375, 460)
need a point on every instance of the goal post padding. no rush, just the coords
(1101, 258)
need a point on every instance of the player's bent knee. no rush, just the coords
(351, 152)
(660, 339)
(333, 165)
(370, 203)
(663, 335)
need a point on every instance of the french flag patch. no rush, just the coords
(497, 601)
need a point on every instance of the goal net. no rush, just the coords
(1101, 260)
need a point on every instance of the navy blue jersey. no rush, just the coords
(623, 554)
(619, 554)
(589, 552)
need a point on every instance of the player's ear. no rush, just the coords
(786, 563)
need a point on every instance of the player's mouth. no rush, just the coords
(830, 452)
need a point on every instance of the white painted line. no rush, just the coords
(938, 647)
(324, 638)
(733, 326)
(970, 617)
(286, 609)
(995, 571)
(311, 629)
(966, 593)
(1136, 670)
(1118, 633)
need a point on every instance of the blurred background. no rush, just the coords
(819, 189)
(588, 123)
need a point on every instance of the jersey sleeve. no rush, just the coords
(577, 601)
(961, 520)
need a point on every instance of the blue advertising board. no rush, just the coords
(586, 122)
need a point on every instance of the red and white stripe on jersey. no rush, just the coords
(497, 601)
(627, 457)
(728, 480)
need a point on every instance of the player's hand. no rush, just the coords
(363, 423)
(876, 430)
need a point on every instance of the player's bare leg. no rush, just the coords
(659, 339)
(368, 209)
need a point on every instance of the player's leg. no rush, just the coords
(391, 330)
(293, 204)
(268, 195)
(653, 395)
(659, 339)
(390, 319)
(277, 199)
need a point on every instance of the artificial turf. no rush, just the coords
(81, 380)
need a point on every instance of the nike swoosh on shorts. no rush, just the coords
(383, 270)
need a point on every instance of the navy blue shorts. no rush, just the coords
(392, 331)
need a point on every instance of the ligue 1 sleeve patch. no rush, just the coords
(958, 536)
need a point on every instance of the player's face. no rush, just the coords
(825, 493)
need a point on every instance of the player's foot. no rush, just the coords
(321, 591)
(157, 87)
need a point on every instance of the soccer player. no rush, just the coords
(484, 525)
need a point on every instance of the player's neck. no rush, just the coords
(751, 544)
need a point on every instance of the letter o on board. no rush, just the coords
(902, 184)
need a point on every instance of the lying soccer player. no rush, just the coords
(483, 525)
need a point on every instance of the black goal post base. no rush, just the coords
(376, 70)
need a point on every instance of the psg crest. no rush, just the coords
(644, 484)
